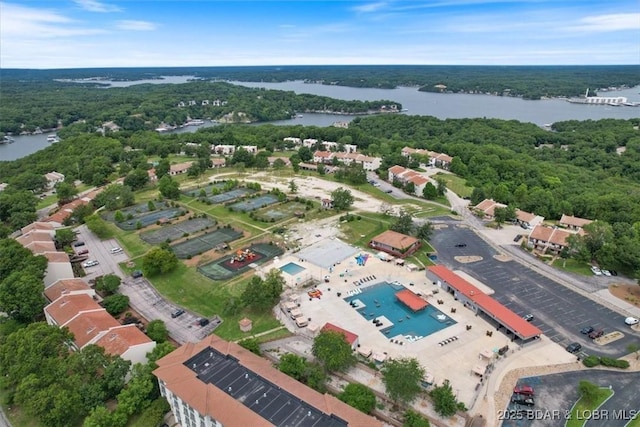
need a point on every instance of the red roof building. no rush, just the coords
(477, 300)
(394, 243)
(350, 337)
(411, 300)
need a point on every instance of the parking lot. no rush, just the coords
(555, 395)
(558, 311)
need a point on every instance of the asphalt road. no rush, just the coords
(142, 295)
(558, 311)
(555, 395)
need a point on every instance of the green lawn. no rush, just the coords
(360, 232)
(573, 266)
(583, 407)
(635, 422)
(47, 201)
(456, 184)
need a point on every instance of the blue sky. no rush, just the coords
(136, 33)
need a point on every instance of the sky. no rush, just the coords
(180, 33)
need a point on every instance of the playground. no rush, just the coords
(281, 211)
(173, 232)
(205, 242)
(230, 195)
(146, 220)
(240, 261)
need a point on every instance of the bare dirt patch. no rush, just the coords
(627, 293)
(502, 258)
(440, 226)
(609, 338)
(467, 259)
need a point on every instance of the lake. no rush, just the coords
(443, 106)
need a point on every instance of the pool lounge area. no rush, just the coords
(380, 305)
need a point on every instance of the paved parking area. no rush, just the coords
(558, 311)
(555, 395)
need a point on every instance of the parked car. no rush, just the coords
(203, 322)
(631, 321)
(389, 191)
(90, 263)
(177, 313)
(522, 399)
(136, 274)
(528, 317)
(596, 334)
(517, 238)
(523, 389)
(574, 347)
(461, 245)
(596, 271)
(116, 250)
(83, 251)
(613, 272)
(606, 273)
(586, 330)
(78, 243)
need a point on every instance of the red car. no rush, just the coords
(527, 390)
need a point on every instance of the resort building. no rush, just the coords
(53, 178)
(551, 240)
(573, 223)
(219, 383)
(396, 244)
(527, 219)
(179, 168)
(405, 176)
(486, 208)
(482, 304)
(435, 159)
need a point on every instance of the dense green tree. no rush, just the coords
(159, 261)
(115, 196)
(251, 344)
(98, 226)
(64, 237)
(135, 396)
(293, 365)
(402, 379)
(21, 296)
(66, 192)
(305, 154)
(342, 199)
(359, 396)
(17, 208)
(169, 188)
(429, 191)
(158, 352)
(293, 187)
(444, 401)
(414, 419)
(333, 351)
(100, 416)
(136, 179)
(162, 168)
(403, 223)
(425, 231)
(263, 295)
(157, 331)
(116, 304)
(108, 283)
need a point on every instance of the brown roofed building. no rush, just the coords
(68, 287)
(219, 383)
(58, 267)
(547, 239)
(38, 226)
(527, 219)
(394, 243)
(487, 208)
(573, 222)
(88, 326)
(128, 342)
(34, 236)
(67, 307)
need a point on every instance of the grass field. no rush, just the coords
(456, 184)
(583, 407)
(635, 422)
(573, 266)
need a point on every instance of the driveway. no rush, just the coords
(558, 311)
(555, 395)
(142, 295)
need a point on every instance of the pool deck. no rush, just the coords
(455, 360)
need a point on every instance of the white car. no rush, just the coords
(606, 273)
(116, 250)
(631, 321)
(595, 270)
(90, 263)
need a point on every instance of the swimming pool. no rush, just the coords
(380, 300)
(292, 268)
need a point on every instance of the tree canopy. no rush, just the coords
(333, 351)
(402, 379)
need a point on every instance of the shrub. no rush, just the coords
(614, 363)
(591, 361)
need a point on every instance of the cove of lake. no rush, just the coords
(443, 106)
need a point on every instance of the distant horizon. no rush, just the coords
(86, 34)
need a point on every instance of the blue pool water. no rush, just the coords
(292, 268)
(380, 300)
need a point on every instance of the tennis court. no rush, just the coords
(254, 203)
(148, 219)
(173, 232)
(208, 190)
(241, 261)
(281, 211)
(230, 195)
(205, 242)
(135, 210)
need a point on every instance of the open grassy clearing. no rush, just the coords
(456, 184)
(577, 418)
(47, 201)
(573, 266)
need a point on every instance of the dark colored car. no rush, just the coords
(522, 399)
(177, 313)
(461, 245)
(586, 330)
(596, 334)
(203, 322)
(574, 347)
(136, 274)
(77, 244)
(523, 389)
(388, 191)
(613, 272)
(528, 317)
(517, 238)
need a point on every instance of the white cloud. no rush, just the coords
(136, 25)
(96, 6)
(370, 7)
(606, 23)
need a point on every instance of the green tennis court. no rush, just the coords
(205, 242)
(173, 232)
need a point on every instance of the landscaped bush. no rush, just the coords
(591, 361)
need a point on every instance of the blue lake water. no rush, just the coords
(380, 300)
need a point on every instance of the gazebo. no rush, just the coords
(245, 324)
